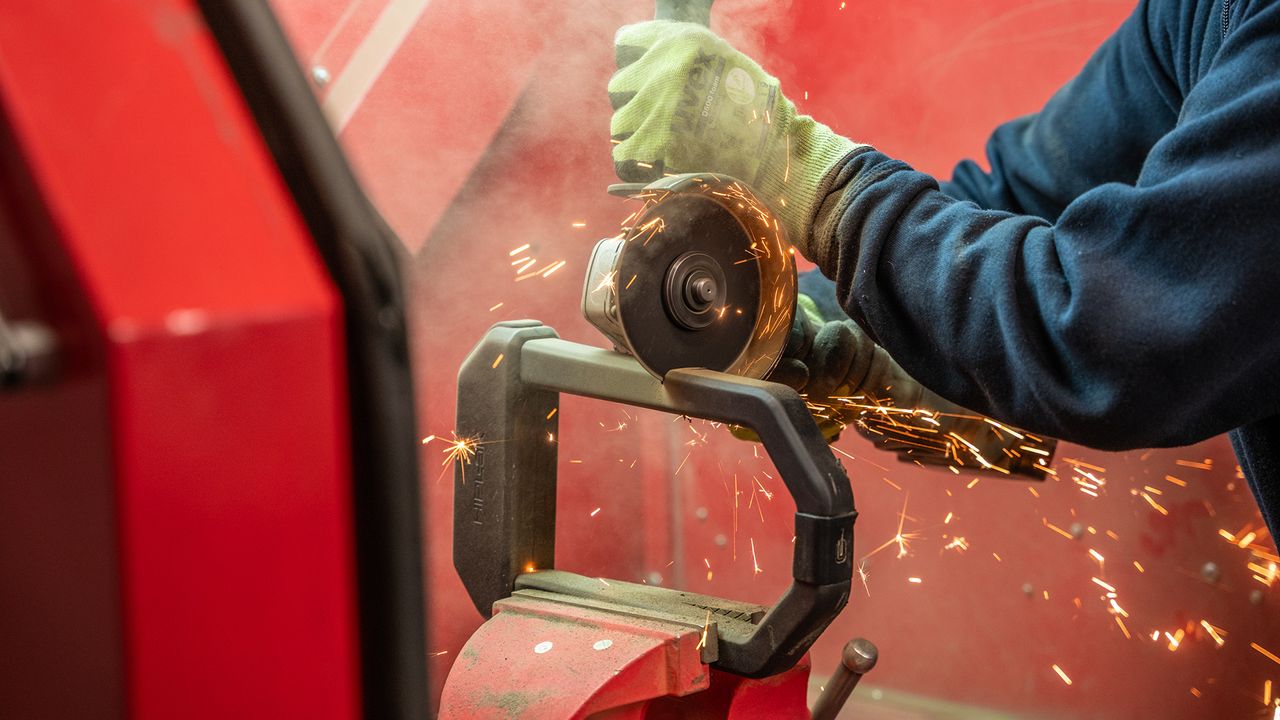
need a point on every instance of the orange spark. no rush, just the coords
(1215, 632)
(1158, 507)
(1265, 653)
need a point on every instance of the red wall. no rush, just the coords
(489, 130)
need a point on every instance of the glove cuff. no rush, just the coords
(789, 179)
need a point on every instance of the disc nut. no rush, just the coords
(700, 290)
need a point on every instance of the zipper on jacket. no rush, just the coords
(1226, 17)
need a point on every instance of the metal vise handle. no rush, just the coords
(505, 497)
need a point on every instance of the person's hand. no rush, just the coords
(823, 359)
(849, 381)
(685, 101)
(792, 369)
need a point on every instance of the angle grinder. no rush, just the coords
(701, 276)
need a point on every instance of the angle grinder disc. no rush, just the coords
(654, 310)
(702, 278)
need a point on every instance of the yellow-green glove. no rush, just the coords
(685, 101)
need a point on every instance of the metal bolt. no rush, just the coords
(1255, 597)
(27, 353)
(1210, 573)
(320, 75)
(1027, 589)
(721, 540)
(655, 578)
(1076, 530)
(701, 513)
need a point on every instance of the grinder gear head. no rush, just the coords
(701, 276)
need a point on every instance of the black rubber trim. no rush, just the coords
(823, 546)
(360, 252)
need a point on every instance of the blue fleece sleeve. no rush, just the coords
(1097, 129)
(1091, 131)
(1144, 316)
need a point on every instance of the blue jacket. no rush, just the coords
(1115, 279)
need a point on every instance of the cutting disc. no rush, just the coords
(702, 277)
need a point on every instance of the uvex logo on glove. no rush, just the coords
(685, 101)
(699, 93)
(745, 122)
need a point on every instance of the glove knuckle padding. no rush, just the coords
(649, 143)
(858, 370)
(619, 99)
(633, 75)
(629, 171)
(636, 39)
(791, 372)
(625, 55)
(800, 340)
(630, 118)
(834, 349)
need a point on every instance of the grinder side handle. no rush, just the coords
(694, 11)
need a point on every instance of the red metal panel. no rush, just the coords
(225, 372)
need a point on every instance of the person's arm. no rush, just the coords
(1091, 132)
(1096, 129)
(1145, 316)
